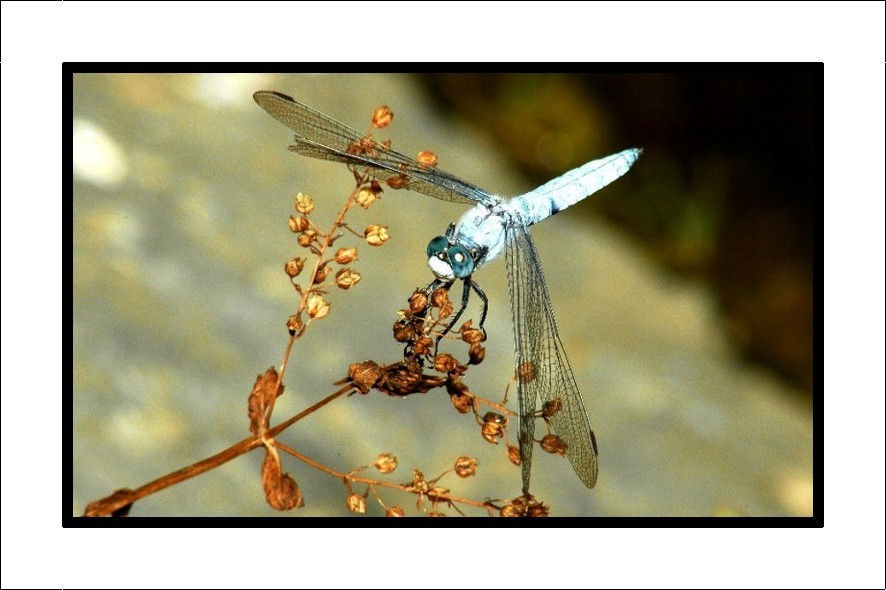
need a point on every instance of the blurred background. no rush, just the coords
(683, 290)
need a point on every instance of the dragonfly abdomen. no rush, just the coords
(570, 188)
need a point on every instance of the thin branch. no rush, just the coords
(118, 500)
(286, 424)
(373, 482)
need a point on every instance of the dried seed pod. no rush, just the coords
(445, 363)
(367, 195)
(466, 466)
(551, 408)
(376, 235)
(397, 182)
(294, 324)
(462, 402)
(551, 443)
(476, 354)
(298, 224)
(537, 509)
(345, 255)
(356, 503)
(423, 346)
(386, 463)
(516, 508)
(317, 307)
(304, 204)
(403, 331)
(418, 302)
(492, 431)
(527, 372)
(294, 267)
(427, 159)
(306, 238)
(322, 272)
(347, 278)
(382, 117)
(514, 455)
(470, 334)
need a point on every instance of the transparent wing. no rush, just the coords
(319, 136)
(543, 371)
(431, 182)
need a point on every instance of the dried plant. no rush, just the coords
(320, 269)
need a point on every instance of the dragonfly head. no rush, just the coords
(449, 261)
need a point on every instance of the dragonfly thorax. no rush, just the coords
(482, 230)
(478, 237)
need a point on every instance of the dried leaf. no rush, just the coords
(281, 491)
(365, 375)
(264, 390)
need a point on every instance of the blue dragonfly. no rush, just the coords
(493, 226)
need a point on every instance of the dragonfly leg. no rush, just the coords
(485, 301)
(465, 296)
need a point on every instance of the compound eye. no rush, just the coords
(461, 262)
(437, 245)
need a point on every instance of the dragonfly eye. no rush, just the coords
(437, 246)
(461, 262)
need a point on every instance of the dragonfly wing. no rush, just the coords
(431, 182)
(542, 369)
(320, 136)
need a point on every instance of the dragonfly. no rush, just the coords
(492, 227)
